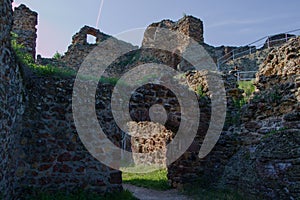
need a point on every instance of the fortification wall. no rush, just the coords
(268, 162)
(189, 167)
(50, 154)
(80, 48)
(24, 25)
(11, 103)
(40, 147)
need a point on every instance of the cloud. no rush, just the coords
(248, 22)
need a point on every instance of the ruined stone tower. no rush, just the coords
(188, 25)
(191, 27)
(24, 25)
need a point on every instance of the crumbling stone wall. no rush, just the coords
(39, 145)
(24, 25)
(267, 164)
(188, 167)
(43, 150)
(193, 28)
(11, 103)
(188, 25)
(149, 138)
(50, 155)
(80, 48)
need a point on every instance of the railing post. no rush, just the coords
(233, 55)
(286, 37)
(268, 42)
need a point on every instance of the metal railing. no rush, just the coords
(265, 42)
(246, 75)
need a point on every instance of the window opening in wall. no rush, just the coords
(91, 39)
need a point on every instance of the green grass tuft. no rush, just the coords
(156, 180)
(197, 192)
(248, 88)
(81, 195)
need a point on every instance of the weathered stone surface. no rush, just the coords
(267, 164)
(269, 169)
(11, 106)
(188, 25)
(150, 139)
(80, 48)
(47, 153)
(277, 40)
(54, 156)
(24, 25)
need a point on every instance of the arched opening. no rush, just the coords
(91, 39)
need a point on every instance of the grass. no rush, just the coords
(197, 192)
(156, 180)
(50, 70)
(248, 88)
(125, 195)
(200, 91)
(27, 59)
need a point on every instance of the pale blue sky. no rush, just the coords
(231, 22)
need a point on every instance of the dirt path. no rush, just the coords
(149, 194)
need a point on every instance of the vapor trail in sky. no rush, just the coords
(99, 14)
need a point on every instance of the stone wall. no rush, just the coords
(11, 103)
(80, 48)
(40, 147)
(24, 25)
(193, 28)
(267, 165)
(149, 138)
(247, 62)
(188, 25)
(49, 152)
(188, 167)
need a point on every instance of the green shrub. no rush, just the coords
(57, 55)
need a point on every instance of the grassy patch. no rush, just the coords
(126, 195)
(154, 180)
(248, 88)
(26, 59)
(200, 91)
(196, 192)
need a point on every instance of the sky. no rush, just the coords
(230, 22)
